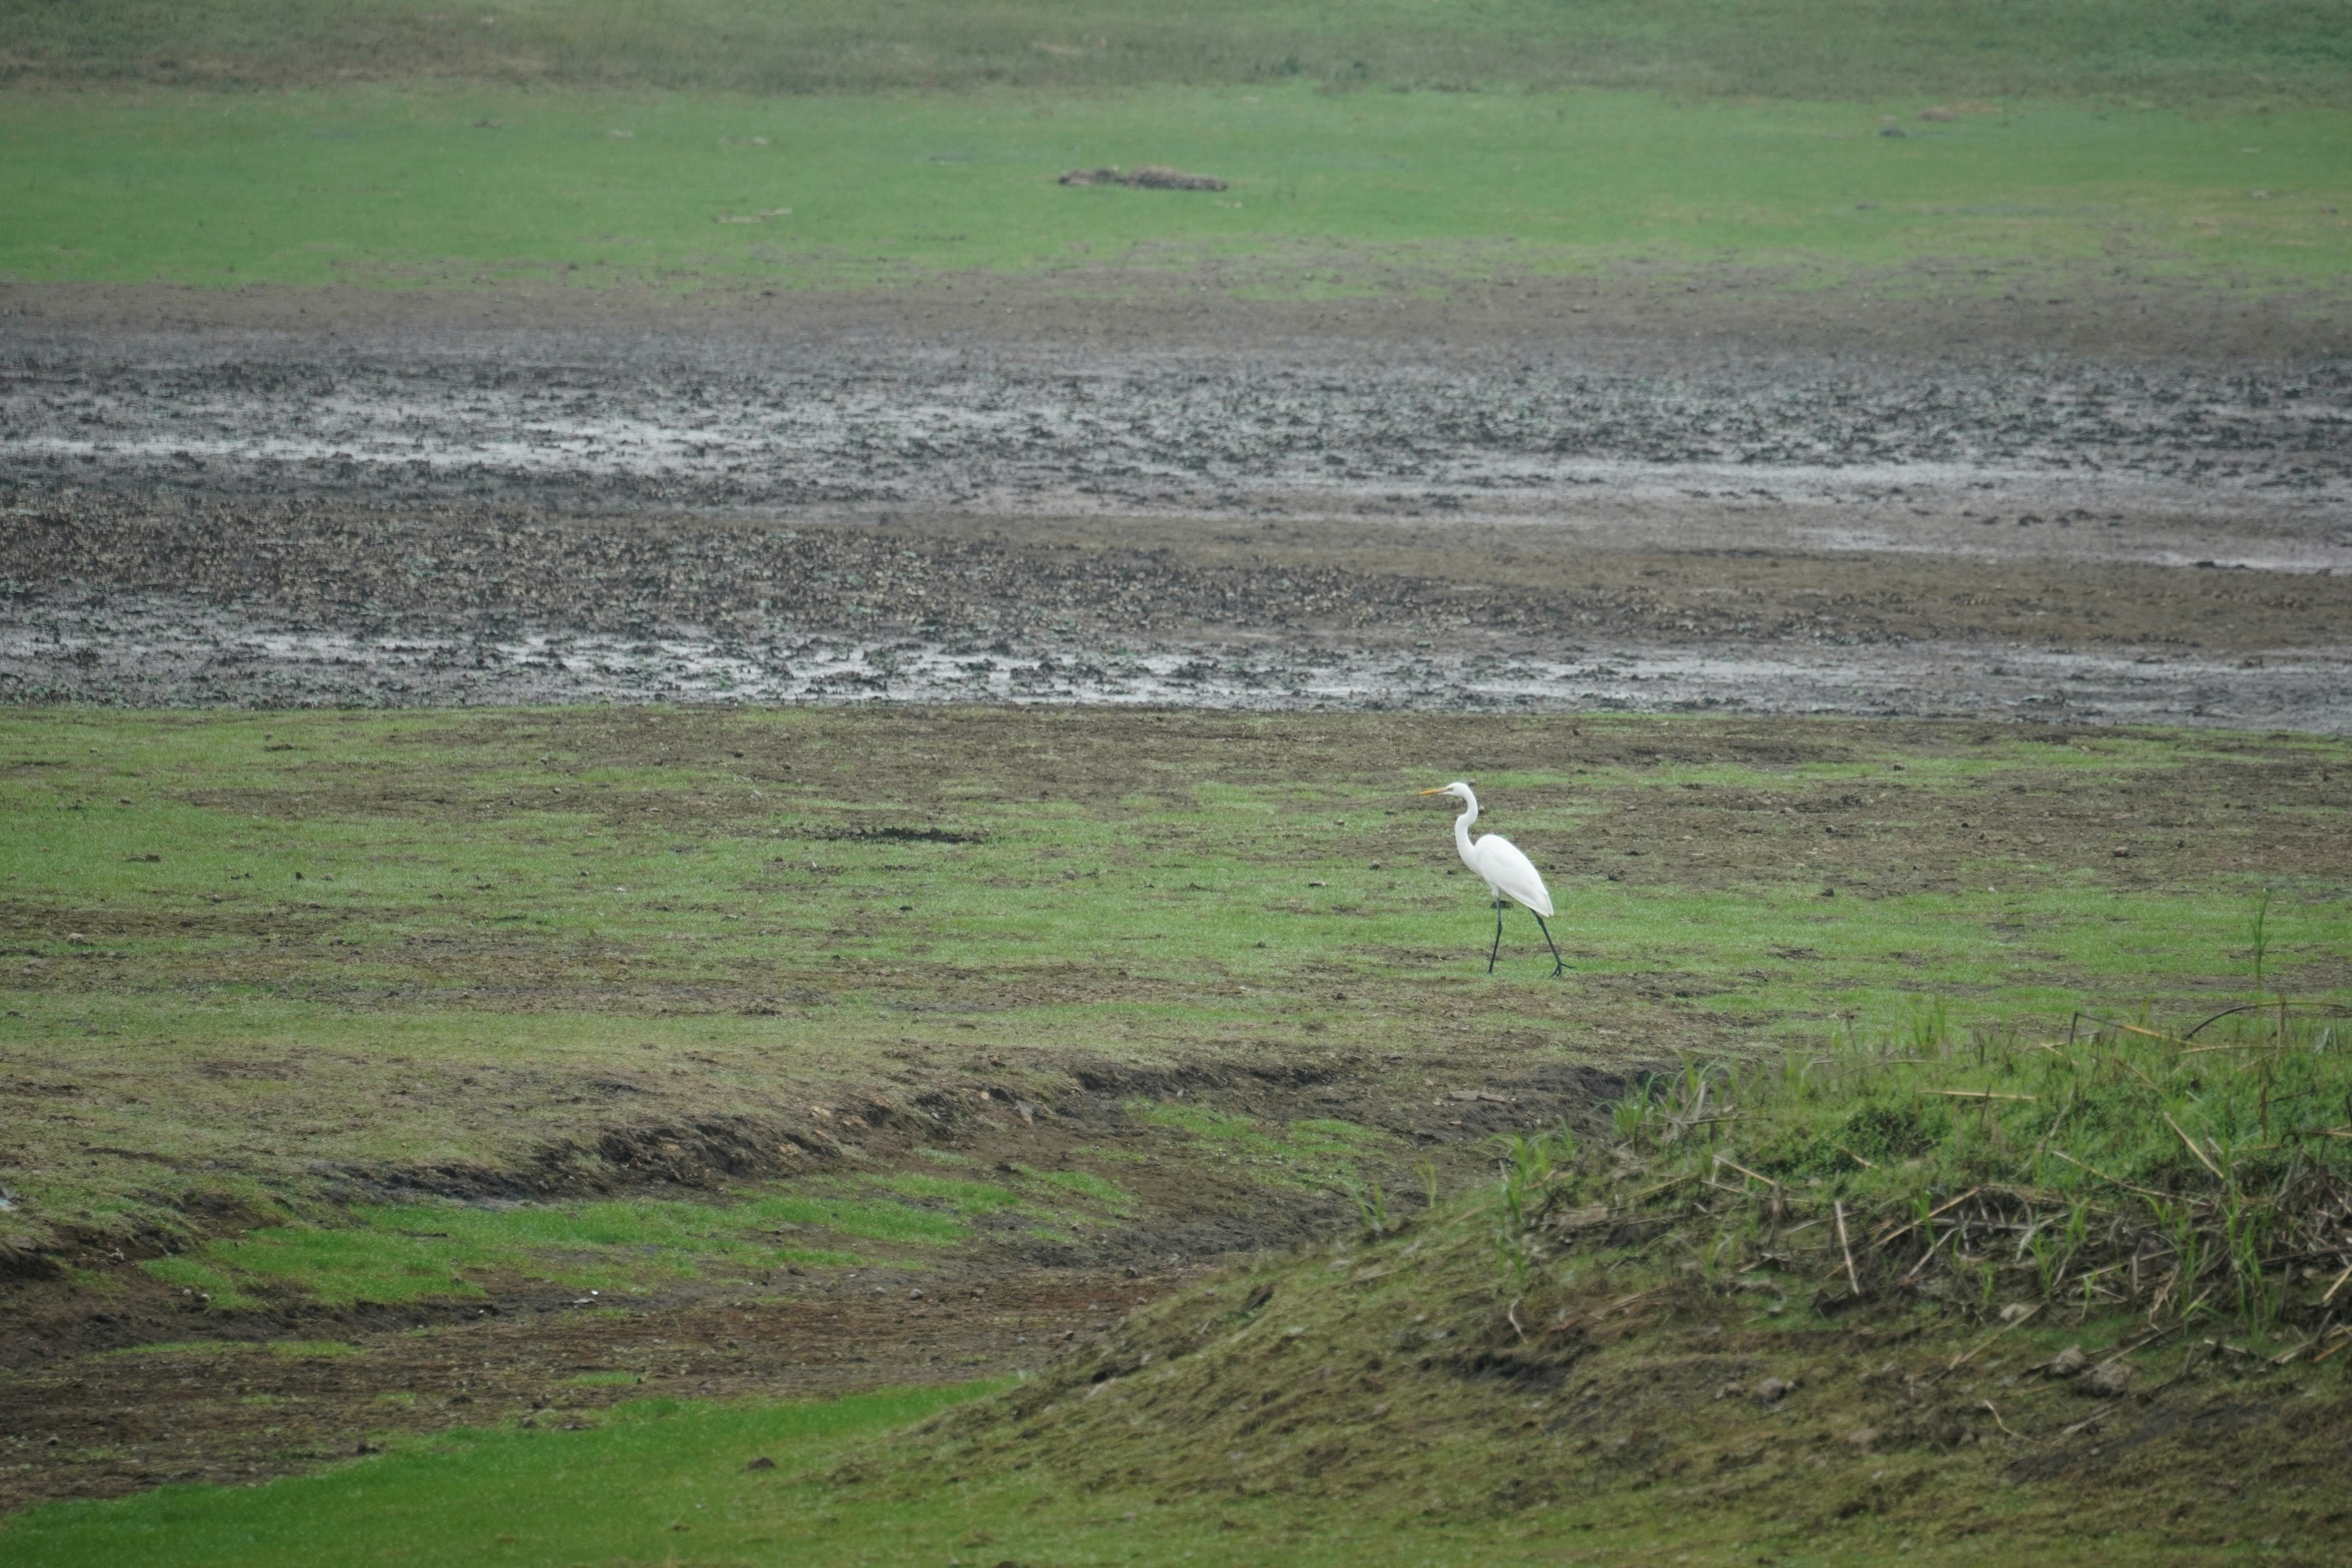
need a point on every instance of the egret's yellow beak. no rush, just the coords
(1429, 792)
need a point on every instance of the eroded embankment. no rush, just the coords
(1106, 1205)
(1757, 1311)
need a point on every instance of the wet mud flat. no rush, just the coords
(268, 500)
(177, 651)
(175, 603)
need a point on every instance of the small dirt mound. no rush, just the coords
(1145, 177)
(903, 835)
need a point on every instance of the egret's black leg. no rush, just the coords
(1558, 968)
(1498, 936)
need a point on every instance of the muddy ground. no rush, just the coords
(2119, 506)
(1560, 495)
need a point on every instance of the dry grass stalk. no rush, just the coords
(2190, 1143)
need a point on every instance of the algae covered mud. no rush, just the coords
(1699, 500)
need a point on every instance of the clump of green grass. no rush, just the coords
(1088, 1186)
(2200, 1173)
(964, 1197)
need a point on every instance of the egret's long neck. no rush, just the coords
(1462, 826)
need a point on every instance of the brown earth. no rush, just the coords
(1927, 309)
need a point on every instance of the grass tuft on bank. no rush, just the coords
(2196, 1176)
(1897, 1295)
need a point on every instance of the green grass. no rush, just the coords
(1315, 1153)
(1089, 1186)
(392, 1254)
(475, 1495)
(501, 934)
(395, 1254)
(2273, 50)
(623, 1491)
(1332, 193)
(1420, 1396)
(964, 1197)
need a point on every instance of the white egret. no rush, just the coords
(1505, 871)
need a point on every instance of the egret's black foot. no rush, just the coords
(1558, 967)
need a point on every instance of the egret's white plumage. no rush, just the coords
(1507, 873)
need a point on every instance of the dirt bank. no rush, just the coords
(118, 1380)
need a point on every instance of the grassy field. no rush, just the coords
(1582, 1362)
(273, 978)
(515, 1496)
(256, 952)
(1332, 194)
(2173, 50)
(665, 1482)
